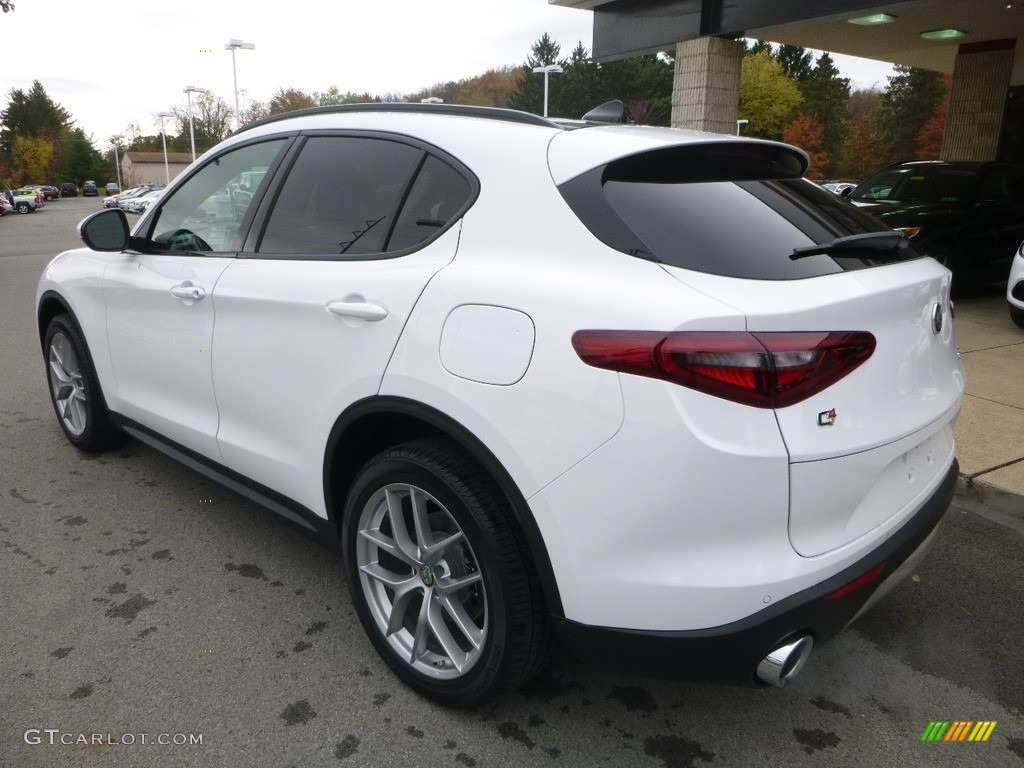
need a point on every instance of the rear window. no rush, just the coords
(741, 217)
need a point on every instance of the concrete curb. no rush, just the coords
(977, 493)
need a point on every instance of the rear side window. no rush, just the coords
(742, 218)
(359, 197)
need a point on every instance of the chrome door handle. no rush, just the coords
(361, 310)
(188, 291)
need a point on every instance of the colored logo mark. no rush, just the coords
(958, 730)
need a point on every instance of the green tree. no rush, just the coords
(32, 114)
(530, 97)
(643, 83)
(906, 105)
(769, 98)
(826, 95)
(795, 61)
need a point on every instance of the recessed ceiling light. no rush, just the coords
(943, 34)
(875, 18)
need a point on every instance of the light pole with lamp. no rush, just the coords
(740, 123)
(189, 90)
(163, 135)
(233, 45)
(550, 69)
(117, 163)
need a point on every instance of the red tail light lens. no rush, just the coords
(765, 370)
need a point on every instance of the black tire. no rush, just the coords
(1017, 315)
(458, 645)
(24, 208)
(75, 390)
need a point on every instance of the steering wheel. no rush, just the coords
(186, 240)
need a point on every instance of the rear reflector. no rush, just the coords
(765, 370)
(857, 584)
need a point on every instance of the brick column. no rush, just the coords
(981, 77)
(706, 93)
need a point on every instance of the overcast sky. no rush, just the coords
(111, 63)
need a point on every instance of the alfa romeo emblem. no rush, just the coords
(426, 575)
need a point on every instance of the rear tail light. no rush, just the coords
(765, 370)
(857, 584)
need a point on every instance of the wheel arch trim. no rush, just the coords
(431, 421)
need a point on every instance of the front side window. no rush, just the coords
(209, 211)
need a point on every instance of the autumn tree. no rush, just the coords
(289, 100)
(494, 88)
(211, 122)
(30, 158)
(769, 98)
(807, 133)
(929, 140)
(863, 150)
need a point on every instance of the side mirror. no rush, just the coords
(105, 230)
(846, 192)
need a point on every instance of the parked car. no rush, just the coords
(69, 189)
(24, 200)
(115, 201)
(49, 191)
(645, 390)
(1015, 288)
(968, 216)
(838, 187)
(113, 189)
(89, 189)
(6, 206)
(139, 203)
(35, 192)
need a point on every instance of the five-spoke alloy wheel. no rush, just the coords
(440, 574)
(75, 390)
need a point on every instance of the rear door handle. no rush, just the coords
(361, 310)
(188, 291)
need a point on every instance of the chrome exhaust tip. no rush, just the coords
(785, 661)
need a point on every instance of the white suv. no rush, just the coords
(643, 390)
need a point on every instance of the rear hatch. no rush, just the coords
(734, 221)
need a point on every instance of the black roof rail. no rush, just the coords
(463, 110)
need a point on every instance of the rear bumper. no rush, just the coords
(730, 653)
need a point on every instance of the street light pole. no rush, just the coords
(163, 135)
(740, 123)
(189, 90)
(550, 69)
(117, 162)
(233, 45)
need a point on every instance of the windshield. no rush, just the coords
(918, 184)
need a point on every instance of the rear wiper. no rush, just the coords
(894, 243)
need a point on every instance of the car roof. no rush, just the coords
(472, 133)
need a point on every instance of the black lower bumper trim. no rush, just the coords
(730, 653)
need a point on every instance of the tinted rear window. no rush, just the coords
(737, 228)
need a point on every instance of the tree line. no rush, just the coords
(785, 94)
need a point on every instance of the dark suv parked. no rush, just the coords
(969, 216)
(69, 189)
(89, 189)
